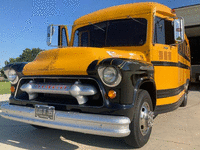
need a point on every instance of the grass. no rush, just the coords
(4, 87)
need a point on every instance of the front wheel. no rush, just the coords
(142, 122)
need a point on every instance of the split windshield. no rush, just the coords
(123, 32)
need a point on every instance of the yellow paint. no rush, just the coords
(73, 60)
(115, 12)
(169, 77)
(165, 77)
(66, 34)
(169, 100)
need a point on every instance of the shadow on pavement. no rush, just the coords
(25, 136)
(96, 141)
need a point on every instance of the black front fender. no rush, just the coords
(134, 73)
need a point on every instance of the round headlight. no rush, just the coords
(12, 76)
(110, 75)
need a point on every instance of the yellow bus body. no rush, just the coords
(171, 69)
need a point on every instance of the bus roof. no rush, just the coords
(120, 11)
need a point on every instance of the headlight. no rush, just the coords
(110, 76)
(12, 76)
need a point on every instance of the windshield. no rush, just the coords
(123, 32)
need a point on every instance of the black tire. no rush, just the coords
(137, 138)
(38, 127)
(184, 103)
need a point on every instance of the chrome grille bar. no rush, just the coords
(77, 90)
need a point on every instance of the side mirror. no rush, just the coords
(50, 32)
(179, 30)
(57, 36)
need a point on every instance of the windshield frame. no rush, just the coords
(134, 18)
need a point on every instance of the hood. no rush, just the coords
(73, 60)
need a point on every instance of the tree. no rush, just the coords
(28, 55)
(2, 74)
(6, 62)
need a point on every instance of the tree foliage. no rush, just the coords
(2, 74)
(27, 55)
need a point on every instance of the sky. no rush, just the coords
(23, 23)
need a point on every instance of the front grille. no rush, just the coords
(60, 99)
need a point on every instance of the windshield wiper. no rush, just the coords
(136, 20)
(96, 26)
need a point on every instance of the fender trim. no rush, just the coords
(139, 83)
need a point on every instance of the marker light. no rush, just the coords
(112, 94)
(12, 89)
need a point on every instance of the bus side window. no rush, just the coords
(169, 32)
(64, 38)
(159, 32)
(164, 31)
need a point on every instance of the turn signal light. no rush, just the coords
(112, 94)
(12, 89)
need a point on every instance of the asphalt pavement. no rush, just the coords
(176, 130)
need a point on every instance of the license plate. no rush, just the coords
(45, 112)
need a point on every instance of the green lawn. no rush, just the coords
(4, 87)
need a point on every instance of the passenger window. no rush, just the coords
(64, 38)
(164, 31)
(159, 33)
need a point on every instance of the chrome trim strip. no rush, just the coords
(113, 126)
(77, 90)
(32, 87)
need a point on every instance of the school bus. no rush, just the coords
(123, 65)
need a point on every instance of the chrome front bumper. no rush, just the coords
(114, 126)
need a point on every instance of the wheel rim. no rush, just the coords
(146, 118)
